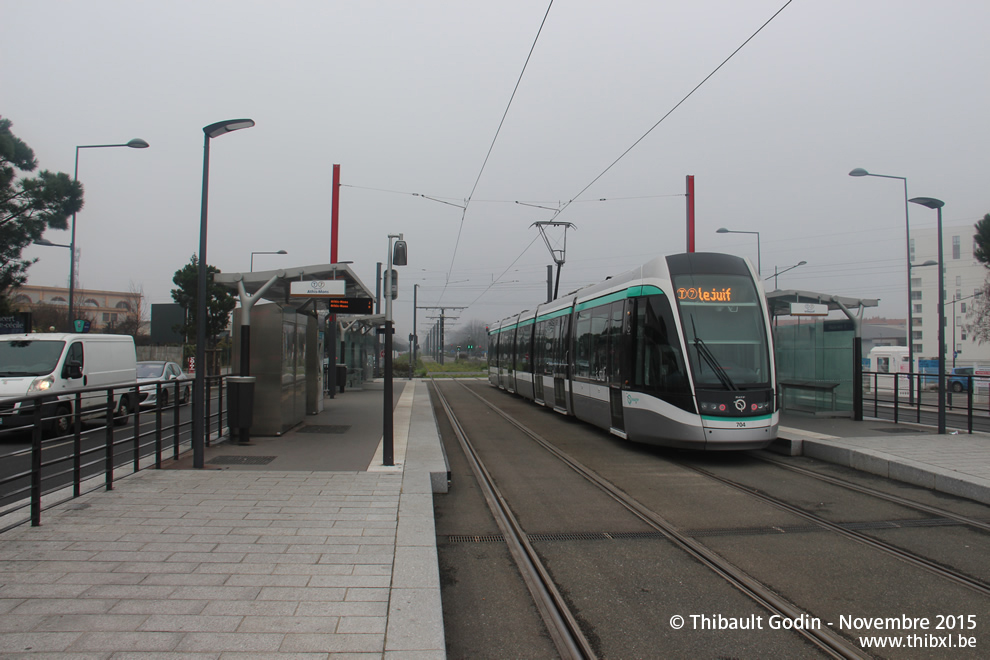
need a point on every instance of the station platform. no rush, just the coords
(306, 545)
(302, 545)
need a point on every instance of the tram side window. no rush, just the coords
(505, 350)
(583, 345)
(599, 333)
(524, 336)
(616, 342)
(562, 347)
(659, 361)
(543, 346)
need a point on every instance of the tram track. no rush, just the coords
(824, 639)
(894, 499)
(557, 616)
(907, 556)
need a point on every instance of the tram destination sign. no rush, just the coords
(317, 289)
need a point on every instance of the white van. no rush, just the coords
(60, 363)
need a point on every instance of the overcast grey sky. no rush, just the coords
(407, 97)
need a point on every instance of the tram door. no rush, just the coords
(561, 360)
(620, 319)
(615, 407)
(559, 394)
(539, 363)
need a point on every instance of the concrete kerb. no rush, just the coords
(415, 612)
(839, 451)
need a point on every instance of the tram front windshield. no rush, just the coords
(724, 330)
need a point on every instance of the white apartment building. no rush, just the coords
(964, 279)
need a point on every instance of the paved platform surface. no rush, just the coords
(301, 545)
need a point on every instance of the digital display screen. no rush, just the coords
(350, 305)
(705, 294)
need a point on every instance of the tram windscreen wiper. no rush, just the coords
(702, 348)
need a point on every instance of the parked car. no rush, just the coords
(151, 372)
(963, 378)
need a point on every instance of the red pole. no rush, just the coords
(334, 213)
(689, 180)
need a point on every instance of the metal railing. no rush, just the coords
(41, 468)
(910, 395)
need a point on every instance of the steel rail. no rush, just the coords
(909, 557)
(879, 494)
(825, 639)
(560, 622)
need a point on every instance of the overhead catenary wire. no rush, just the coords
(467, 202)
(676, 106)
(564, 206)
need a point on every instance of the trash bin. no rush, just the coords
(341, 376)
(240, 404)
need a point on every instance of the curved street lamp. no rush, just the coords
(136, 143)
(759, 267)
(776, 273)
(937, 204)
(254, 253)
(199, 385)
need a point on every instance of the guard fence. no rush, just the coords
(910, 397)
(55, 449)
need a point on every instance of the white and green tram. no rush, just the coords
(676, 353)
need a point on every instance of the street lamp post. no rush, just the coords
(415, 338)
(397, 257)
(254, 253)
(937, 204)
(775, 273)
(859, 171)
(759, 266)
(136, 143)
(199, 385)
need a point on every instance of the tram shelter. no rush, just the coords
(819, 359)
(295, 346)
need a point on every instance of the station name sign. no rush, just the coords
(317, 289)
(808, 309)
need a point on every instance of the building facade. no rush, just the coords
(104, 310)
(964, 281)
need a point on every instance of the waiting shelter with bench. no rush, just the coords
(819, 359)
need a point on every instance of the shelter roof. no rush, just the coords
(279, 291)
(780, 301)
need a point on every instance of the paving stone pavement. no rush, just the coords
(236, 564)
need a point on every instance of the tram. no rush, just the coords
(677, 353)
